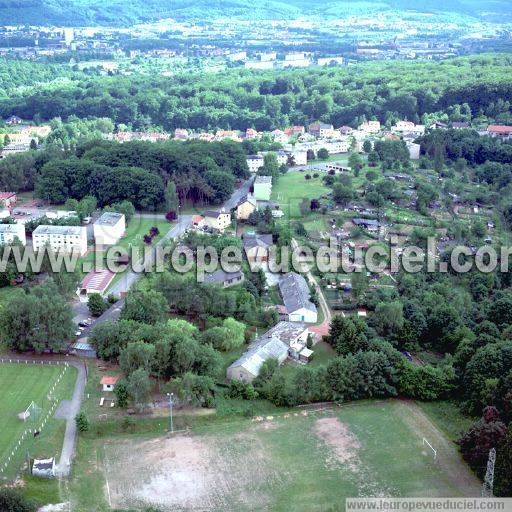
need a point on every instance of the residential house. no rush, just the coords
(294, 130)
(346, 130)
(321, 130)
(245, 207)
(217, 220)
(251, 133)
(502, 131)
(263, 188)
(297, 298)
(8, 199)
(13, 120)
(109, 228)
(280, 136)
(256, 246)
(198, 221)
(409, 128)
(284, 340)
(61, 238)
(460, 125)
(370, 127)
(11, 232)
(225, 279)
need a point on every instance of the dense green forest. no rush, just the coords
(238, 99)
(137, 171)
(117, 12)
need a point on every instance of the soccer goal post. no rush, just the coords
(31, 413)
(434, 451)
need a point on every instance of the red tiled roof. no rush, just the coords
(108, 380)
(6, 195)
(502, 129)
(98, 280)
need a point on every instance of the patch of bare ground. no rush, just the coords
(343, 444)
(187, 472)
(344, 453)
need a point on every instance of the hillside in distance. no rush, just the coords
(129, 12)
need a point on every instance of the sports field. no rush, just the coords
(22, 384)
(302, 460)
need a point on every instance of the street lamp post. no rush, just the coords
(171, 404)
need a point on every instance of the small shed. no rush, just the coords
(44, 468)
(305, 355)
(108, 382)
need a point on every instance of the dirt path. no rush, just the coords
(448, 456)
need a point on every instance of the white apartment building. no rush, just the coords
(61, 238)
(109, 228)
(255, 163)
(11, 232)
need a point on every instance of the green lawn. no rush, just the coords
(292, 188)
(301, 460)
(21, 384)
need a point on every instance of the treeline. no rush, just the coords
(136, 171)
(238, 99)
(22, 73)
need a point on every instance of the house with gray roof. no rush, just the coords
(256, 246)
(296, 297)
(225, 279)
(285, 339)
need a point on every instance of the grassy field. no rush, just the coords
(21, 384)
(294, 460)
(292, 188)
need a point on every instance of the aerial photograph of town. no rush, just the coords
(255, 256)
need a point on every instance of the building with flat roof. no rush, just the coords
(61, 238)
(262, 188)
(10, 232)
(109, 228)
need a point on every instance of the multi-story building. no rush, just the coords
(321, 129)
(61, 238)
(263, 188)
(217, 220)
(109, 228)
(255, 163)
(11, 232)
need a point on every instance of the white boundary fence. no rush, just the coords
(42, 420)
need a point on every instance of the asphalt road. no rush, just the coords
(130, 277)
